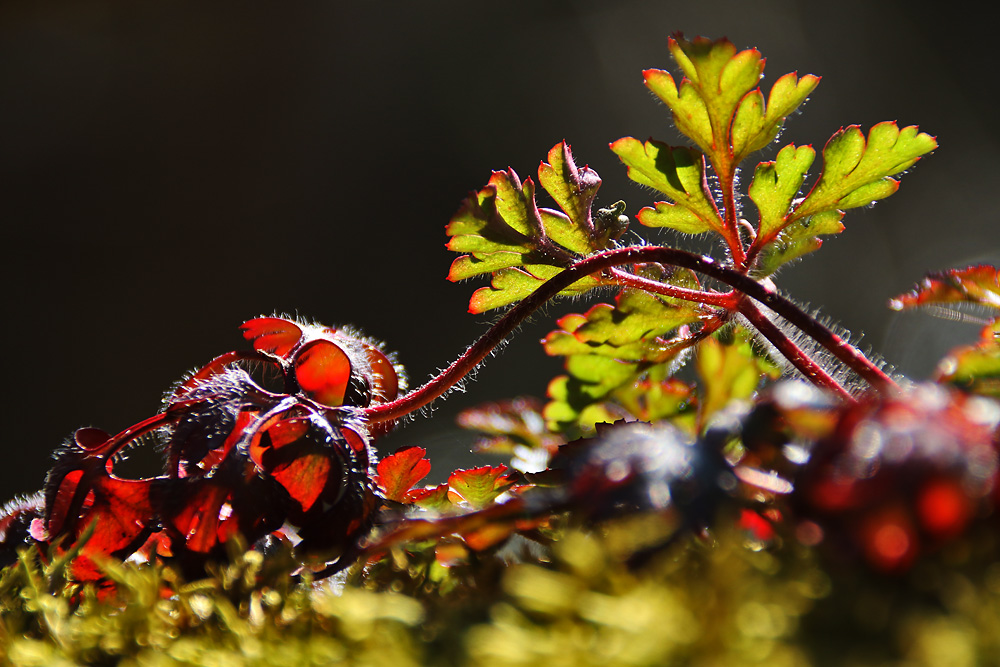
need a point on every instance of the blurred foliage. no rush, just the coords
(720, 599)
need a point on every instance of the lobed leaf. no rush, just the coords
(613, 351)
(718, 103)
(798, 239)
(678, 173)
(716, 79)
(776, 184)
(856, 173)
(755, 126)
(502, 231)
(511, 285)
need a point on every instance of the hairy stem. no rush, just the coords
(440, 384)
(625, 279)
(799, 359)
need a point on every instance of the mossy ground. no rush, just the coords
(723, 600)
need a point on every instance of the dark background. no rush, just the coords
(168, 170)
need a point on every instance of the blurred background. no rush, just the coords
(170, 170)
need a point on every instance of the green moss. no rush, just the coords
(722, 600)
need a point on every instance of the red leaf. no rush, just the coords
(323, 370)
(198, 520)
(304, 478)
(62, 501)
(275, 335)
(398, 472)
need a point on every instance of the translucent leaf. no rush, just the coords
(479, 487)
(510, 427)
(434, 498)
(399, 472)
(776, 184)
(718, 103)
(573, 189)
(755, 126)
(511, 285)
(976, 368)
(729, 371)
(716, 79)
(856, 173)
(678, 173)
(797, 239)
(502, 231)
(612, 351)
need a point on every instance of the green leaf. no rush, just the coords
(502, 231)
(678, 173)
(718, 103)
(856, 173)
(511, 285)
(573, 189)
(641, 316)
(729, 370)
(976, 368)
(797, 239)
(755, 126)
(612, 351)
(716, 79)
(479, 487)
(434, 498)
(776, 184)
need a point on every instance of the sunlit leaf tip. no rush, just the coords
(978, 284)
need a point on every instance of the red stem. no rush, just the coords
(727, 182)
(439, 385)
(802, 361)
(727, 301)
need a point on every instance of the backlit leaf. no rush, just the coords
(776, 184)
(976, 368)
(678, 173)
(501, 231)
(856, 172)
(755, 126)
(512, 428)
(716, 79)
(729, 370)
(479, 487)
(613, 351)
(399, 472)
